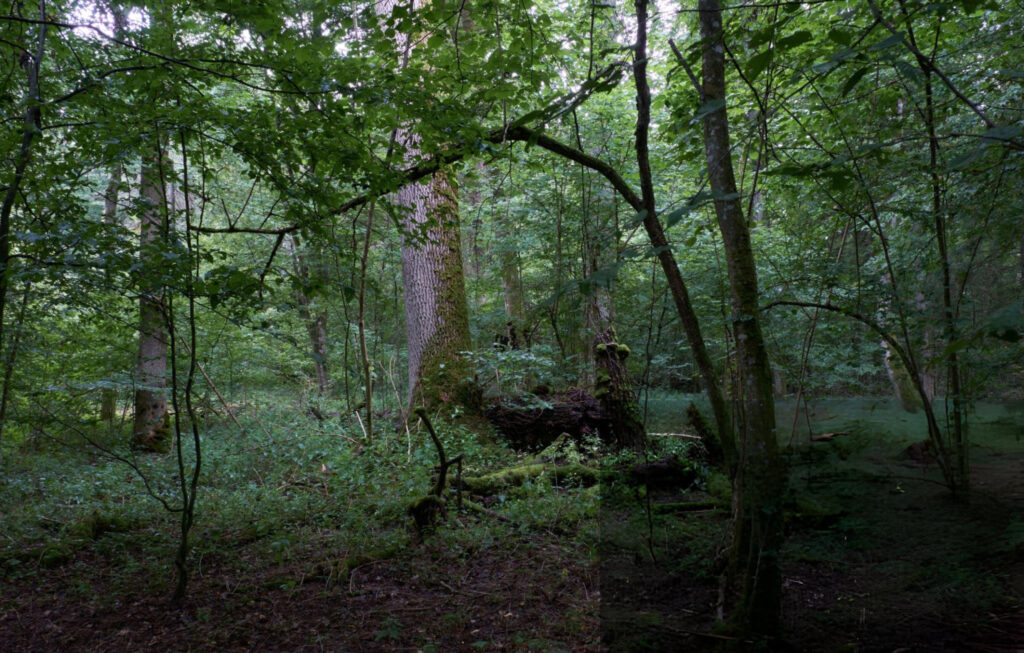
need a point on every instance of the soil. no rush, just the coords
(879, 557)
(510, 597)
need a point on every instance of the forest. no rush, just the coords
(512, 325)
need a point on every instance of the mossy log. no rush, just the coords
(668, 472)
(339, 569)
(514, 476)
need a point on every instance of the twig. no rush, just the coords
(213, 386)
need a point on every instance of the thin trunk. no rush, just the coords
(361, 324)
(108, 396)
(760, 481)
(954, 388)
(655, 232)
(314, 318)
(959, 472)
(32, 62)
(9, 360)
(150, 430)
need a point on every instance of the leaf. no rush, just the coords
(854, 78)
(708, 108)
(793, 40)
(1003, 133)
(841, 37)
(758, 63)
(885, 44)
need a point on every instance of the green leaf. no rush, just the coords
(758, 63)
(841, 37)
(885, 44)
(793, 40)
(854, 78)
(708, 108)
(1003, 133)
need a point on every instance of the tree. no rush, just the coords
(310, 272)
(436, 311)
(150, 429)
(760, 478)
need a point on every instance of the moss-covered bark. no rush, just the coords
(614, 389)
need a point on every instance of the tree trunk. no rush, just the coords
(760, 481)
(108, 396)
(647, 208)
(314, 318)
(436, 311)
(614, 389)
(436, 314)
(31, 126)
(150, 431)
(902, 385)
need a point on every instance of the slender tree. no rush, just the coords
(150, 430)
(760, 479)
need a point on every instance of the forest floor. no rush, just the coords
(878, 557)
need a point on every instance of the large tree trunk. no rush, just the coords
(150, 430)
(436, 312)
(760, 480)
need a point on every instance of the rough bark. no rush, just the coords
(614, 389)
(150, 431)
(436, 312)
(759, 482)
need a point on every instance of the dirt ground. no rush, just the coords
(878, 557)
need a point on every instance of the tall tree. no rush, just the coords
(436, 311)
(760, 479)
(150, 429)
(310, 271)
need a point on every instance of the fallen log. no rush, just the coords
(494, 482)
(825, 437)
(686, 506)
(533, 425)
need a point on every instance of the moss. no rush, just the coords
(55, 556)
(426, 511)
(340, 569)
(719, 487)
(515, 476)
(94, 525)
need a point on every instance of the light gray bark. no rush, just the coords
(436, 313)
(150, 430)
